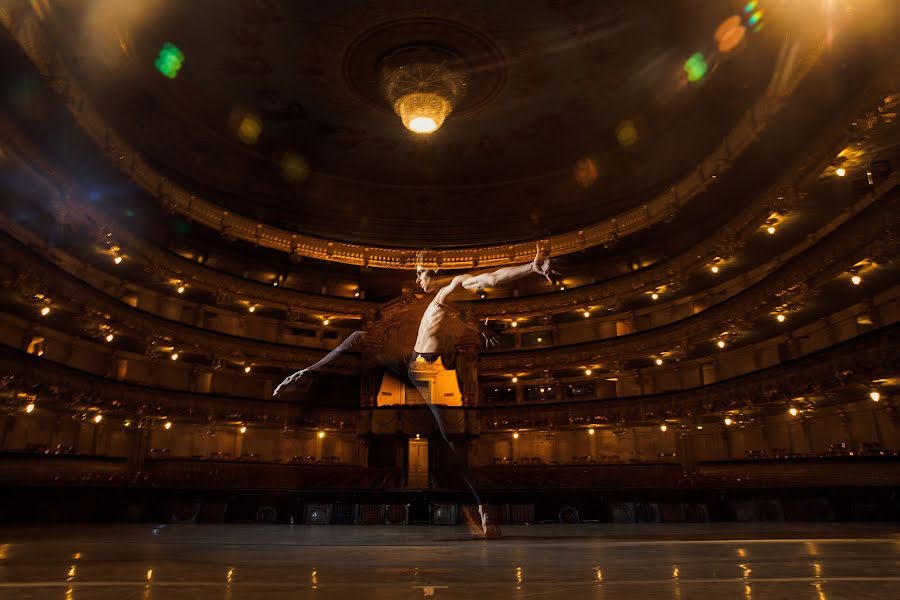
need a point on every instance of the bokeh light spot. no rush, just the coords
(626, 133)
(750, 6)
(249, 129)
(695, 67)
(730, 33)
(585, 172)
(169, 60)
(755, 18)
(294, 167)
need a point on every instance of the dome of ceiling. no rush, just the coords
(573, 112)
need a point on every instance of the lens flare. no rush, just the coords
(249, 129)
(626, 133)
(294, 168)
(729, 34)
(695, 67)
(585, 172)
(169, 60)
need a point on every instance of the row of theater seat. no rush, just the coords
(658, 475)
(603, 459)
(500, 514)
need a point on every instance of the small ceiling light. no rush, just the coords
(728, 421)
(174, 356)
(515, 435)
(243, 429)
(714, 269)
(659, 362)
(780, 318)
(663, 427)
(875, 396)
(771, 230)
(587, 371)
(856, 279)
(168, 425)
(180, 289)
(117, 260)
(542, 390)
(539, 340)
(793, 411)
(590, 431)
(515, 380)
(45, 311)
(654, 296)
(321, 434)
(840, 171)
(720, 343)
(29, 408)
(586, 314)
(247, 369)
(699, 426)
(251, 308)
(98, 418)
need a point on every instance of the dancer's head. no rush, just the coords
(424, 275)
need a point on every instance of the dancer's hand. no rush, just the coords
(542, 265)
(491, 339)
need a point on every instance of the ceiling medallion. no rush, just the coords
(423, 85)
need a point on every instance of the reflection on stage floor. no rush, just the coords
(603, 561)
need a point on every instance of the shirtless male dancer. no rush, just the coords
(433, 340)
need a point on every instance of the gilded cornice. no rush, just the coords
(609, 294)
(860, 360)
(869, 233)
(872, 232)
(725, 242)
(25, 27)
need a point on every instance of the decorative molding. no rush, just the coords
(857, 361)
(869, 232)
(140, 323)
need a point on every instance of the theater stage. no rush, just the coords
(784, 560)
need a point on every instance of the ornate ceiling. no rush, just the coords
(575, 111)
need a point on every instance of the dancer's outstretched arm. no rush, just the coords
(540, 266)
(352, 339)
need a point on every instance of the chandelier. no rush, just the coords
(423, 85)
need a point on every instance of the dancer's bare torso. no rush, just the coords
(428, 340)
